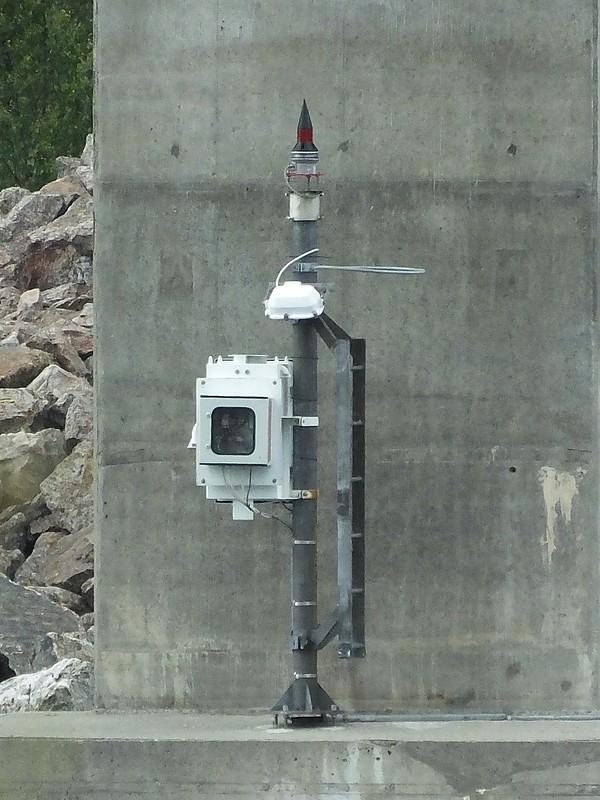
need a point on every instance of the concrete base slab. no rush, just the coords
(180, 756)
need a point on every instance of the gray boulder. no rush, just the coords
(58, 559)
(53, 250)
(10, 561)
(86, 317)
(19, 365)
(87, 620)
(59, 294)
(80, 337)
(18, 408)
(56, 388)
(14, 331)
(27, 617)
(65, 686)
(54, 341)
(10, 197)
(31, 211)
(29, 304)
(69, 187)
(18, 522)
(66, 165)
(13, 531)
(64, 598)
(87, 591)
(68, 489)
(54, 382)
(56, 646)
(76, 227)
(26, 459)
(9, 300)
(87, 156)
(79, 422)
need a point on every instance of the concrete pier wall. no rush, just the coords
(461, 137)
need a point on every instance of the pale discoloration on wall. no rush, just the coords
(560, 489)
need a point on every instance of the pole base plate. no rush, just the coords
(305, 701)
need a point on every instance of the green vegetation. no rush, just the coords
(45, 86)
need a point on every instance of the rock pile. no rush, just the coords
(46, 440)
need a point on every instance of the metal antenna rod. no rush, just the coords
(305, 698)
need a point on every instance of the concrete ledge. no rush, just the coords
(179, 756)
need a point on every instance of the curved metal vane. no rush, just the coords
(375, 269)
(311, 266)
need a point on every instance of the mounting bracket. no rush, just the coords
(350, 357)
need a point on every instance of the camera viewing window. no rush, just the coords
(233, 431)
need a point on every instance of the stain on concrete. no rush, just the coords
(472, 770)
(461, 700)
(560, 489)
(513, 669)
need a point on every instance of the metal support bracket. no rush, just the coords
(326, 631)
(303, 422)
(350, 357)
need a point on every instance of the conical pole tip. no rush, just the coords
(304, 121)
(304, 137)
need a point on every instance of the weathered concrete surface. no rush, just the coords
(88, 756)
(459, 136)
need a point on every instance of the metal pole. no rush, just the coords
(305, 698)
(305, 473)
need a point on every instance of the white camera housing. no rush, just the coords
(243, 435)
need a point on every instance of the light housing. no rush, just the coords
(294, 300)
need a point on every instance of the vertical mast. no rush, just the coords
(305, 698)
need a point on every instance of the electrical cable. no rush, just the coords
(249, 487)
(293, 261)
(292, 189)
(249, 505)
(270, 516)
(233, 491)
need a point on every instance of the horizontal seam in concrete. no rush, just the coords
(213, 188)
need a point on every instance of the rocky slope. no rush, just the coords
(46, 441)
